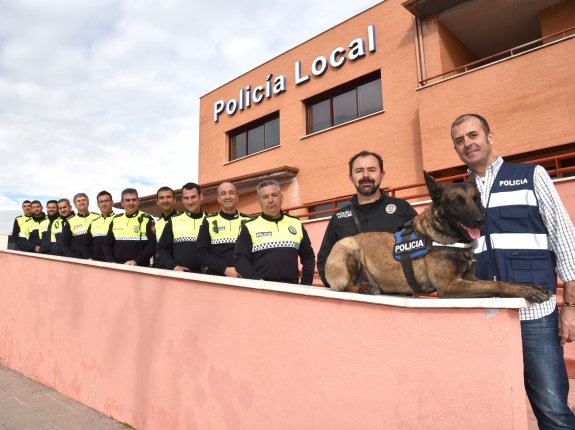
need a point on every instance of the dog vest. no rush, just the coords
(409, 246)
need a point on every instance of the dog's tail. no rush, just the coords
(343, 265)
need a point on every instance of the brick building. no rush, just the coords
(392, 79)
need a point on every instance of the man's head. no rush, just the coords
(227, 197)
(472, 140)
(192, 197)
(105, 202)
(36, 208)
(130, 201)
(64, 207)
(366, 172)
(165, 200)
(81, 202)
(27, 207)
(52, 207)
(270, 198)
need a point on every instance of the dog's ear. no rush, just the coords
(435, 189)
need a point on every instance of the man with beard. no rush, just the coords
(370, 210)
(45, 228)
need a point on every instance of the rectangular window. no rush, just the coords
(353, 100)
(255, 137)
(325, 207)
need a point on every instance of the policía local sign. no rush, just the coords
(355, 50)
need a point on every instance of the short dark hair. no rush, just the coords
(192, 186)
(129, 191)
(103, 193)
(52, 201)
(365, 153)
(462, 118)
(267, 183)
(26, 201)
(164, 189)
(37, 202)
(65, 200)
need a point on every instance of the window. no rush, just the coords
(255, 137)
(346, 103)
(325, 207)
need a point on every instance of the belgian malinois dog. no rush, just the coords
(365, 263)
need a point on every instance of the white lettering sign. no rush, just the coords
(318, 67)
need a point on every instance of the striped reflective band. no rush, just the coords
(223, 240)
(99, 233)
(278, 244)
(79, 232)
(512, 198)
(131, 237)
(513, 241)
(185, 239)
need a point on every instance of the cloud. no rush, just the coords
(105, 94)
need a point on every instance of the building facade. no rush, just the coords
(392, 79)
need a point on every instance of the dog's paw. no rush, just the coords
(536, 293)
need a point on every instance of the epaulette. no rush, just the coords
(245, 215)
(119, 215)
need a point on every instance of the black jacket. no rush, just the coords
(388, 214)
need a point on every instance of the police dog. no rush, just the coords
(365, 263)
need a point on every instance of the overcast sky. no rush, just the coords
(104, 94)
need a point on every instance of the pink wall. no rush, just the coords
(160, 350)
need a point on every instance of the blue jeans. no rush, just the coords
(545, 376)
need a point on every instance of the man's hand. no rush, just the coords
(231, 272)
(131, 263)
(567, 316)
(37, 248)
(181, 269)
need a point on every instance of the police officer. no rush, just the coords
(19, 222)
(371, 209)
(45, 227)
(218, 234)
(75, 231)
(99, 227)
(131, 237)
(29, 235)
(268, 247)
(65, 211)
(166, 201)
(177, 248)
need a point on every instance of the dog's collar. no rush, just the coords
(459, 245)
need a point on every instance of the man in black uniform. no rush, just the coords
(45, 228)
(131, 237)
(268, 247)
(219, 232)
(66, 212)
(99, 227)
(19, 223)
(30, 235)
(371, 209)
(177, 248)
